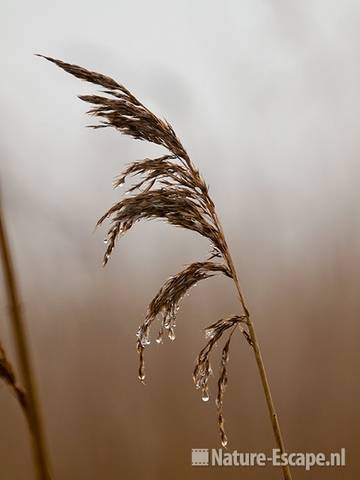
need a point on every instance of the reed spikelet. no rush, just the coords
(171, 188)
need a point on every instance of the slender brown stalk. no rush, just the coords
(262, 371)
(7, 374)
(37, 435)
(172, 189)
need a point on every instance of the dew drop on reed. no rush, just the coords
(205, 395)
(224, 441)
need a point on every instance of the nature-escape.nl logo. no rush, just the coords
(220, 458)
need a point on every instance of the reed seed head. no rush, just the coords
(169, 188)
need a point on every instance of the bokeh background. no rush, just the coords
(265, 96)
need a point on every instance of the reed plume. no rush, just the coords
(171, 188)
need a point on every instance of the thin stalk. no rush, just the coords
(262, 371)
(8, 376)
(37, 434)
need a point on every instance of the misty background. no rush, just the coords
(264, 96)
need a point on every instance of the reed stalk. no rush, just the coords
(262, 372)
(31, 404)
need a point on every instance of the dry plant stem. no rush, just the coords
(37, 434)
(7, 374)
(261, 367)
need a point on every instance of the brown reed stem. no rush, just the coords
(261, 367)
(8, 375)
(33, 410)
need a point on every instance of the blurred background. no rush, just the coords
(264, 95)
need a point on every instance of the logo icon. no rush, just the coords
(200, 457)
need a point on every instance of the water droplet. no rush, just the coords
(171, 334)
(205, 393)
(205, 397)
(224, 442)
(144, 340)
(143, 336)
(160, 336)
(209, 333)
(142, 377)
(106, 241)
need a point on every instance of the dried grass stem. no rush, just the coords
(32, 405)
